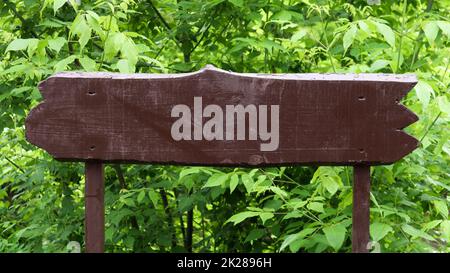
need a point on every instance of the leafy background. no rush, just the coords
(152, 208)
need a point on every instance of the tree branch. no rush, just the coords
(418, 43)
(161, 18)
(168, 211)
(14, 164)
(183, 232)
(189, 230)
(120, 176)
(25, 24)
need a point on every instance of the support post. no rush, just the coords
(95, 208)
(361, 209)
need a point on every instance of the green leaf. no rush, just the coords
(35, 94)
(255, 234)
(335, 235)
(184, 67)
(424, 92)
(265, 216)
(441, 208)
(445, 228)
(113, 44)
(416, 233)
(62, 65)
(296, 203)
(330, 184)
(32, 46)
(18, 44)
(279, 192)
(92, 19)
(84, 38)
(271, 45)
(129, 202)
(19, 90)
(283, 15)
(238, 3)
(248, 182)
(124, 66)
(234, 180)
(188, 171)
(293, 214)
(154, 61)
(431, 225)
(82, 30)
(185, 203)
(57, 4)
(431, 30)
(387, 33)
(117, 215)
(154, 197)
(109, 232)
(290, 239)
(346, 201)
(130, 51)
(237, 218)
(378, 64)
(444, 104)
(299, 34)
(215, 180)
(273, 204)
(445, 27)
(141, 196)
(379, 230)
(349, 36)
(364, 27)
(315, 206)
(87, 63)
(57, 43)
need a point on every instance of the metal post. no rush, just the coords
(361, 209)
(95, 208)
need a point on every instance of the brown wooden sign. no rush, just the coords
(214, 117)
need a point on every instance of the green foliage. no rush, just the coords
(297, 209)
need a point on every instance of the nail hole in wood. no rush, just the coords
(361, 150)
(92, 148)
(91, 93)
(361, 98)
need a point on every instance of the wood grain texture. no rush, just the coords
(361, 209)
(95, 207)
(326, 119)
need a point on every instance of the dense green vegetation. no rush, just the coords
(153, 208)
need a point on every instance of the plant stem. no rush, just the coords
(106, 38)
(432, 124)
(446, 68)
(180, 214)
(168, 212)
(161, 18)
(399, 54)
(189, 230)
(419, 39)
(120, 176)
(327, 43)
(14, 164)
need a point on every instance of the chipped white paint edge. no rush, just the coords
(378, 77)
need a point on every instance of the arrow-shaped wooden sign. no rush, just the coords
(214, 117)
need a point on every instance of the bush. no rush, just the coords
(152, 208)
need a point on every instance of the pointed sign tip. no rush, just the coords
(404, 144)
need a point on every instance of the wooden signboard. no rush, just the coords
(219, 118)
